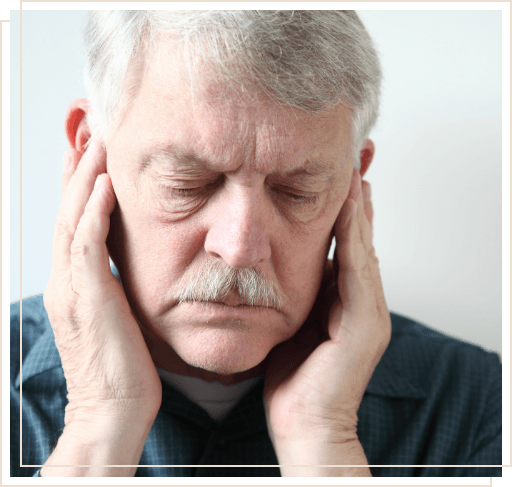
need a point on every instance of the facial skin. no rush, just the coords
(250, 184)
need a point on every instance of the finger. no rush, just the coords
(368, 206)
(73, 204)
(352, 193)
(88, 253)
(363, 221)
(372, 258)
(355, 187)
(354, 276)
(70, 160)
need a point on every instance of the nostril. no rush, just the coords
(237, 230)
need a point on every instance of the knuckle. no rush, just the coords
(80, 251)
(372, 255)
(90, 223)
(360, 260)
(63, 227)
(60, 304)
(354, 257)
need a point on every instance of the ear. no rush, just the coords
(77, 129)
(366, 155)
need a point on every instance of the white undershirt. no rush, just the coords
(215, 398)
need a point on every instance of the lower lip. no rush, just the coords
(222, 311)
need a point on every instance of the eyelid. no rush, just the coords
(294, 196)
(305, 190)
(305, 183)
(192, 178)
(199, 188)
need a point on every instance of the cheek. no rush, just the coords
(150, 230)
(299, 263)
(152, 254)
(168, 207)
(156, 244)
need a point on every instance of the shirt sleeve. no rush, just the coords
(488, 441)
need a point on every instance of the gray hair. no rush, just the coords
(310, 59)
(216, 280)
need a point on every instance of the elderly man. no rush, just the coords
(217, 157)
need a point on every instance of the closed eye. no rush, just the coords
(297, 198)
(300, 198)
(189, 192)
(184, 193)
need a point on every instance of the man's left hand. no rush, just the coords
(315, 381)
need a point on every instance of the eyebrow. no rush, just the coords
(184, 159)
(311, 169)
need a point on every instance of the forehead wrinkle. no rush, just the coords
(312, 169)
(251, 151)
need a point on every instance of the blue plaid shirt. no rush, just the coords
(432, 400)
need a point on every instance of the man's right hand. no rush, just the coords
(114, 391)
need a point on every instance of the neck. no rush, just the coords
(206, 375)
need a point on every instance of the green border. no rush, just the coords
(504, 7)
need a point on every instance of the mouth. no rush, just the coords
(219, 314)
(220, 311)
(229, 304)
(231, 300)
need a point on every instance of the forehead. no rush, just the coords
(227, 125)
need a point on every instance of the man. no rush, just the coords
(217, 157)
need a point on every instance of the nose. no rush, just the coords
(238, 231)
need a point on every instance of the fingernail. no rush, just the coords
(68, 159)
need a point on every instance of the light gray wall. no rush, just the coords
(436, 177)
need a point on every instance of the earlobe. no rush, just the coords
(76, 126)
(366, 155)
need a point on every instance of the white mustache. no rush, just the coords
(215, 281)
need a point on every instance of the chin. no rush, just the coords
(223, 352)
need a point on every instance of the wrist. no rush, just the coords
(319, 429)
(315, 458)
(94, 414)
(96, 447)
